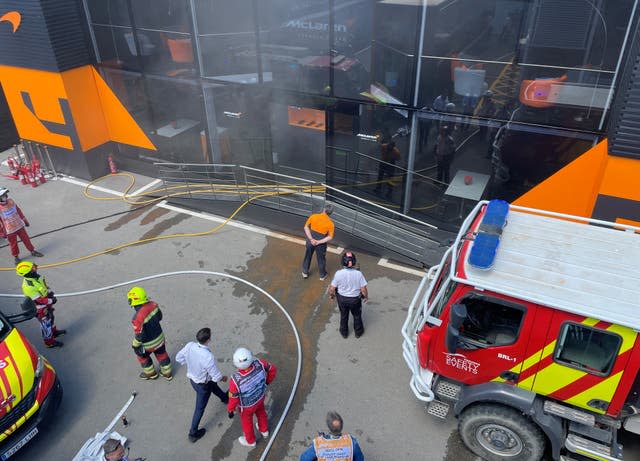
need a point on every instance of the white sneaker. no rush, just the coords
(264, 434)
(243, 441)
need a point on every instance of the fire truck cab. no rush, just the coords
(528, 330)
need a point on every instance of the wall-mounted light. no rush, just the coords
(232, 114)
(368, 137)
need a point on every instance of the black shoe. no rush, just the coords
(37, 254)
(17, 260)
(59, 333)
(344, 335)
(197, 436)
(359, 334)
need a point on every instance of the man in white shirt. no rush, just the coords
(350, 287)
(204, 376)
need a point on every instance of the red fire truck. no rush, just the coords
(528, 330)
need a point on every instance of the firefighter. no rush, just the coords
(12, 224)
(34, 287)
(148, 335)
(247, 389)
(334, 445)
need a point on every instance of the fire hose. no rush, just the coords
(294, 387)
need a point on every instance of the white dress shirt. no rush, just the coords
(201, 363)
(348, 282)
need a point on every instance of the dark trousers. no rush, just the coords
(385, 171)
(203, 392)
(161, 356)
(321, 256)
(444, 166)
(353, 305)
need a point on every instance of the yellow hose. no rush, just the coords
(128, 199)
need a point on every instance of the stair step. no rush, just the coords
(595, 433)
(569, 413)
(438, 409)
(589, 448)
(448, 390)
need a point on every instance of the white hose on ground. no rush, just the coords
(220, 274)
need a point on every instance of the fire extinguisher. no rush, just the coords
(112, 164)
(37, 171)
(13, 167)
(22, 174)
(31, 179)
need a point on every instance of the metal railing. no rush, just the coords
(354, 215)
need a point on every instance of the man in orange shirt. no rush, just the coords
(319, 231)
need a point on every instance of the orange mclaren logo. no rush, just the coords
(12, 17)
(74, 109)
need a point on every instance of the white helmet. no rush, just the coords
(242, 358)
(3, 191)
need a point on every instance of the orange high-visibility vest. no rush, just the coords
(340, 449)
(10, 217)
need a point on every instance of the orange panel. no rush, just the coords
(122, 127)
(45, 90)
(304, 117)
(573, 189)
(621, 178)
(86, 107)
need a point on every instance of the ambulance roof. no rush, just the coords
(581, 268)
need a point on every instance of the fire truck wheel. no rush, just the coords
(496, 433)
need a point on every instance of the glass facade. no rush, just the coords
(395, 101)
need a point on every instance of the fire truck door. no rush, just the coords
(492, 343)
(582, 361)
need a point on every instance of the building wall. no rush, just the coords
(319, 88)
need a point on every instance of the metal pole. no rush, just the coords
(53, 168)
(414, 117)
(618, 64)
(92, 34)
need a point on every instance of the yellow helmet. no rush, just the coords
(137, 296)
(24, 267)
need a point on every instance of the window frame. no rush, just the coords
(559, 342)
(495, 300)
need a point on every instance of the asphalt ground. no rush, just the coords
(365, 379)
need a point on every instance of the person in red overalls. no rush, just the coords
(12, 224)
(247, 388)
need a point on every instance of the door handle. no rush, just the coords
(509, 376)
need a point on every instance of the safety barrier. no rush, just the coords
(389, 229)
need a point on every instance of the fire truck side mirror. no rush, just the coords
(457, 315)
(28, 312)
(452, 340)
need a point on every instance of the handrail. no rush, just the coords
(404, 216)
(339, 191)
(276, 174)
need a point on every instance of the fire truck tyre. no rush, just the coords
(496, 433)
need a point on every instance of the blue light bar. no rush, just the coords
(485, 245)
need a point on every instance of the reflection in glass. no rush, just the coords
(109, 12)
(295, 46)
(168, 15)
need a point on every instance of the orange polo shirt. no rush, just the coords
(320, 223)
